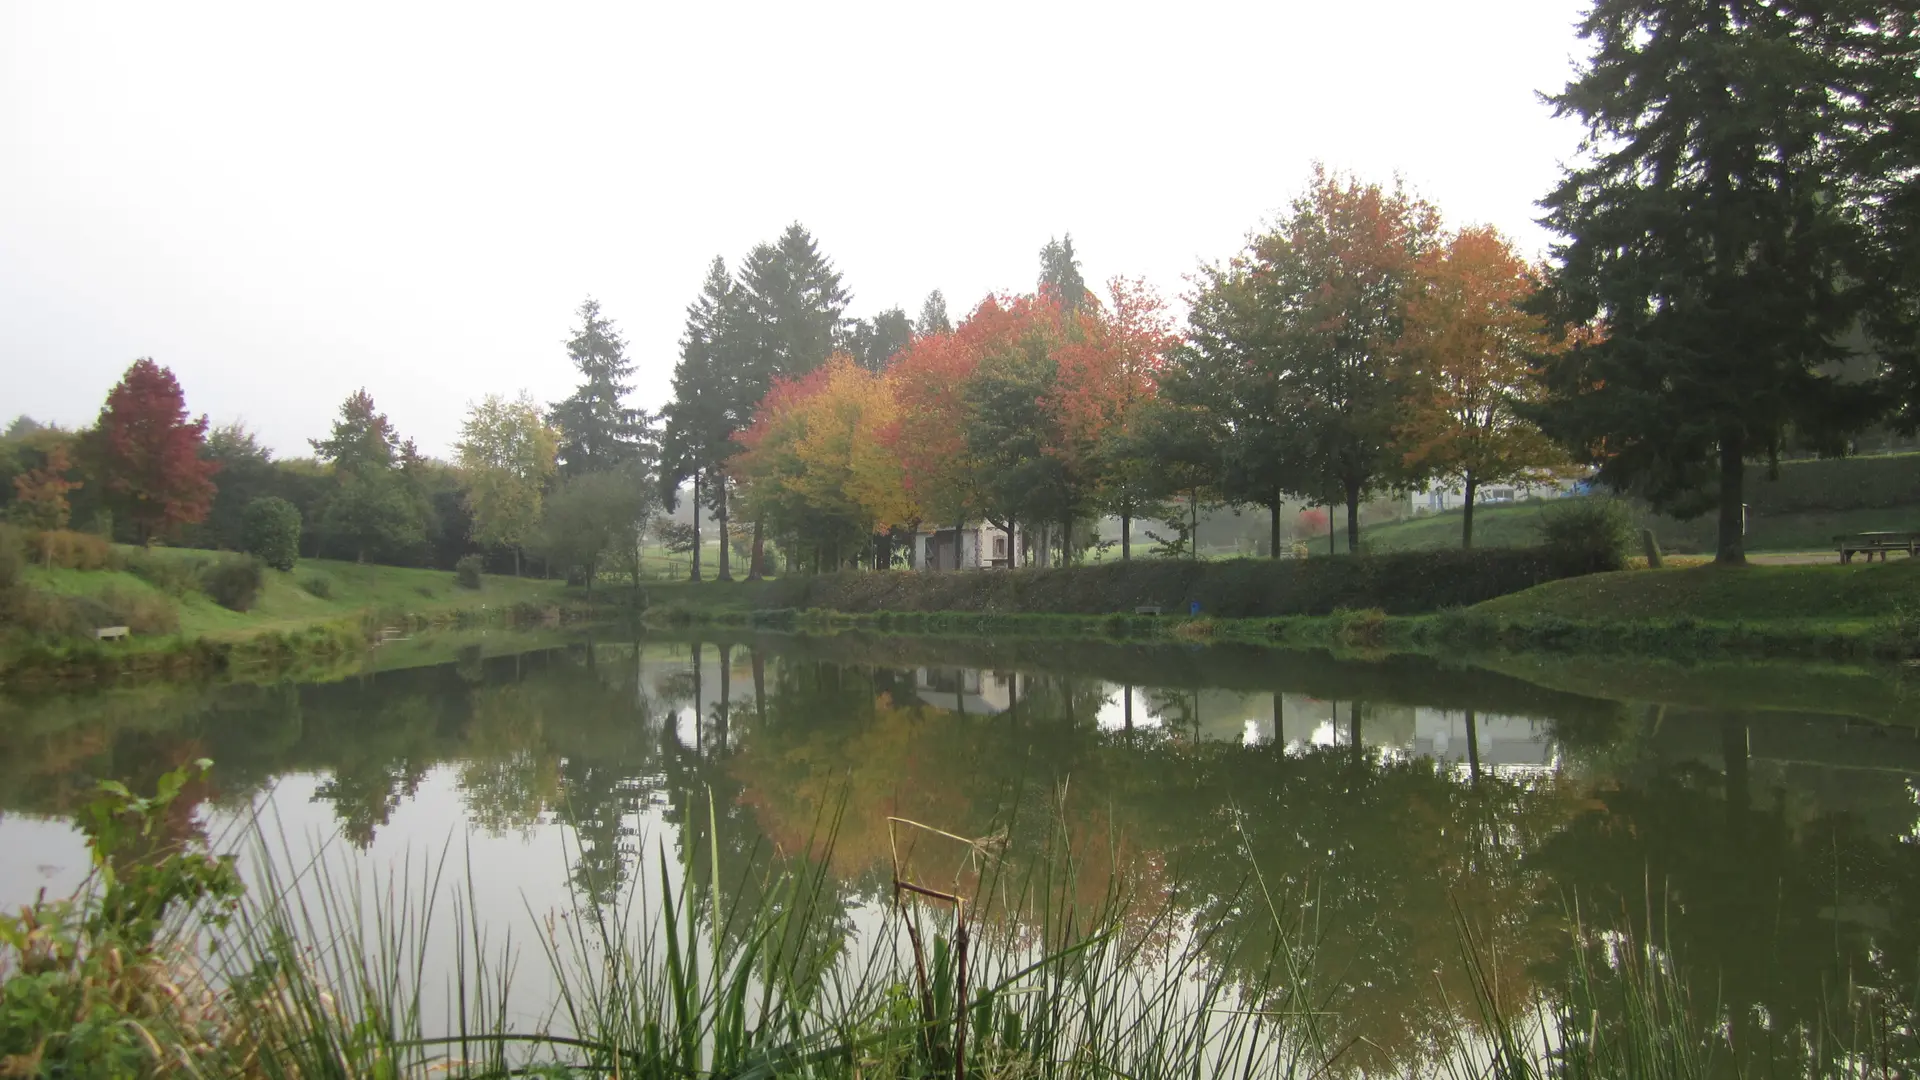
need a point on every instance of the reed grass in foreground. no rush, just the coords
(166, 964)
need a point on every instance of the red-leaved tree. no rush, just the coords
(150, 453)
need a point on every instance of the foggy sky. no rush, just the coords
(285, 203)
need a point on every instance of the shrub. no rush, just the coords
(139, 611)
(172, 574)
(234, 582)
(317, 586)
(64, 549)
(1361, 629)
(425, 590)
(466, 572)
(1588, 535)
(272, 530)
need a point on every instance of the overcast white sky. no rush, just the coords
(285, 202)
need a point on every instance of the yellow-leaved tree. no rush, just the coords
(1466, 348)
(815, 463)
(506, 453)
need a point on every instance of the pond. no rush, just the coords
(1421, 833)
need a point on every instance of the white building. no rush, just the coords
(982, 546)
(1438, 498)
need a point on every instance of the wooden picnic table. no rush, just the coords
(1880, 542)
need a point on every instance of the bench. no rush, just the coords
(1872, 543)
(110, 633)
(1147, 609)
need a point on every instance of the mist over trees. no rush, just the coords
(1735, 277)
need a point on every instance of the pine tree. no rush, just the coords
(1713, 237)
(933, 315)
(707, 406)
(1060, 274)
(597, 432)
(362, 440)
(873, 342)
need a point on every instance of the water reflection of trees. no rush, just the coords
(1784, 882)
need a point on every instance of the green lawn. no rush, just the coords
(285, 602)
(1858, 593)
(1517, 526)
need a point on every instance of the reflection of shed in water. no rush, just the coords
(966, 690)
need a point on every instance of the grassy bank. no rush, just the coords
(1865, 611)
(317, 613)
(1518, 525)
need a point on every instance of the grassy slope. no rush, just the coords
(1843, 595)
(1515, 526)
(284, 603)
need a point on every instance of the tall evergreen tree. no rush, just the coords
(597, 431)
(1060, 273)
(363, 438)
(710, 381)
(1715, 239)
(933, 315)
(873, 342)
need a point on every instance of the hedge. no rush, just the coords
(1405, 583)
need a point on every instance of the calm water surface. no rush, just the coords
(1759, 823)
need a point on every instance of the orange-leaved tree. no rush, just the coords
(40, 495)
(928, 436)
(1468, 345)
(1106, 372)
(150, 452)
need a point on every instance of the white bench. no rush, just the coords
(110, 633)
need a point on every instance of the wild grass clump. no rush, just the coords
(234, 582)
(1361, 629)
(173, 574)
(64, 549)
(317, 586)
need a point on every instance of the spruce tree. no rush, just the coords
(1714, 245)
(597, 432)
(1060, 273)
(873, 342)
(707, 407)
(933, 315)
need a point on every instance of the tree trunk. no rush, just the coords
(1733, 517)
(1043, 545)
(760, 685)
(1330, 550)
(1273, 531)
(759, 549)
(699, 718)
(696, 526)
(1473, 747)
(957, 526)
(1193, 525)
(726, 693)
(726, 542)
(1353, 518)
(1066, 539)
(1466, 514)
(1126, 532)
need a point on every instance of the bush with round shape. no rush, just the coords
(272, 530)
(466, 572)
(1588, 535)
(234, 582)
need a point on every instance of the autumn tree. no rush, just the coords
(149, 453)
(816, 466)
(1316, 305)
(506, 454)
(597, 430)
(929, 433)
(1717, 226)
(40, 494)
(1468, 347)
